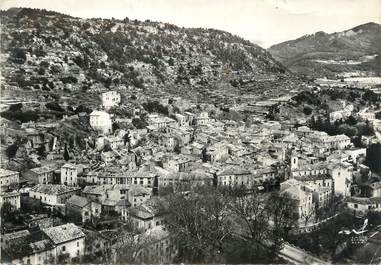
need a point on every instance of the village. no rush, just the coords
(96, 168)
(117, 177)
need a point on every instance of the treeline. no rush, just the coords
(350, 126)
(227, 225)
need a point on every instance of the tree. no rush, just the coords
(284, 218)
(6, 210)
(66, 154)
(204, 155)
(171, 62)
(129, 244)
(373, 157)
(12, 150)
(127, 139)
(15, 107)
(18, 56)
(199, 223)
(307, 110)
(253, 219)
(41, 151)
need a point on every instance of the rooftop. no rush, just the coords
(5, 172)
(15, 235)
(63, 233)
(53, 189)
(78, 201)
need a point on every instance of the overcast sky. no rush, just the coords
(264, 22)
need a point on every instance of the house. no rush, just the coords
(68, 240)
(178, 163)
(53, 194)
(80, 209)
(11, 197)
(13, 239)
(110, 99)
(114, 142)
(341, 114)
(217, 152)
(302, 198)
(156, 122)
(142, 177)
(100, 121)
(342, 174)
(181, 119)
(40, 175)
(69, 174)
(9, 179)
(112, 196)
(147, 215)
(303, 131)
(235, 176)
(201, 119)
(160, 248)
(35, 252)
(372, 189)
(361, 206)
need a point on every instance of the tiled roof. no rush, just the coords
(68, 165)
(64, 233)
(53, 189)
(14, 235)
(43, 169)
(360, 200)
(41, 246)
(6, 172)
(78, 201)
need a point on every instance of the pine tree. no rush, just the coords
(66, 154)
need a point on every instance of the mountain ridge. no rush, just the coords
(324, 53)
(133, 53)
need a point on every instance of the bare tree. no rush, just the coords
(199, 222)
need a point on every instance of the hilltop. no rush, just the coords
(355, 51)
(48, 51)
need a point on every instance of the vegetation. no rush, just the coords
(210, 223)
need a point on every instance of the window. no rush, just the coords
(77, 244)
(63, 248)
(356, 206)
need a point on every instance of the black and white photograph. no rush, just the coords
(190, 132)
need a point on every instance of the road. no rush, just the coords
(298, 256)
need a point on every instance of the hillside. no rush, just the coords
(47, 51)
(356, 51)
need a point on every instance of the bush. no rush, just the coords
(54, 106)
(18, 56)
(12, 150)
(15, 107)
(307, 110)
(20, 115)
(138, 123)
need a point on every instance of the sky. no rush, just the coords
(265, 22)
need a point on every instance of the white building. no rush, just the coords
(342, 177)
(52, 194)
(8, 178)
(68, 239)
(361, 206)
(110, 99)
(12, 197)
(302, 197)
(100, 121)
(69, 174)
(202, 118)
